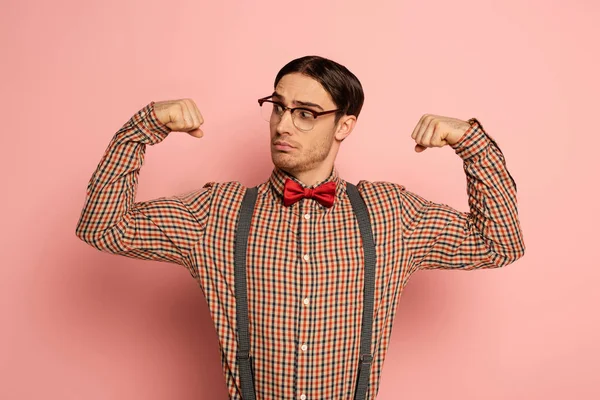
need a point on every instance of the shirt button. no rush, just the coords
(302, 396)
(306, 216)
(303, 347)
(306, 301)
(306, 257)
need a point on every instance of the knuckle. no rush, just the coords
(179, 108)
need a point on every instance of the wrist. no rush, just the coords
(473, 141)
(459, 133)
(157, 116)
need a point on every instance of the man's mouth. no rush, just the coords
(283, 145)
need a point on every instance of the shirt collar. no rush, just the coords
(278, 178)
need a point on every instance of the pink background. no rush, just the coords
(77, 323)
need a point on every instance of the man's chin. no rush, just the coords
(283, 161)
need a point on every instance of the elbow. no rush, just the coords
(85, 236)
(520, 250)
(510, 255)
(109, 241)
(80, 233)
(90, 237)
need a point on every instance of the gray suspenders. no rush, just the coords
(241, 293)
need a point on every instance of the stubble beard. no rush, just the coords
(305, 162)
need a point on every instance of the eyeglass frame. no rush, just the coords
(315, 114)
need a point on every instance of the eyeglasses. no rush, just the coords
(304, 119)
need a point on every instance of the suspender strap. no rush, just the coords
(366, 358)
(241, 294)
(241, 245)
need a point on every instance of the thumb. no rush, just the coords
(419, 148)
(198, 133)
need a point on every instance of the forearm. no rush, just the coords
(112, 188)
(492, 196)
(488, 236)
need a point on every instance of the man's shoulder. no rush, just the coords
(384, 199)
(226, 191)
(224, 186)
(231, 190)
(379, 188)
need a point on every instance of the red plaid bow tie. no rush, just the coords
(293, 191)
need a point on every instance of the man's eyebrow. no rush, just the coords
(309, 104)
(302, 103)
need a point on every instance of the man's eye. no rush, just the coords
(306, 115)
(278, 108)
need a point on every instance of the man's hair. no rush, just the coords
(341, 84)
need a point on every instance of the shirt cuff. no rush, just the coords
(474, 140)
(146, 121)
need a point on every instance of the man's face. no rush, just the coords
(294, 150)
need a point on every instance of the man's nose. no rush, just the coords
(286, 123)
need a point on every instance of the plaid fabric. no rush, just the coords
(305, 271)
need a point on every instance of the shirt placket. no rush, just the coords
(307, 263)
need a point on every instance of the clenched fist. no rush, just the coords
(180, 116)
(438, 131)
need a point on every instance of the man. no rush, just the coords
(306, 253)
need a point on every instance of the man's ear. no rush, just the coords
(345, 126)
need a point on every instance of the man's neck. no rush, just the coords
(310, 178)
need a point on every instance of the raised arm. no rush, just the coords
(489, 235)
(163, 229)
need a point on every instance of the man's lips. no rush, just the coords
(283, 145)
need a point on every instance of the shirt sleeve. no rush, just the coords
(164, 229)
(489, 235)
